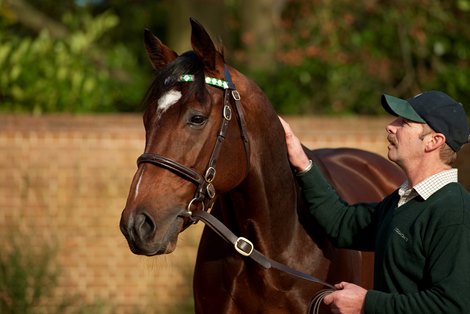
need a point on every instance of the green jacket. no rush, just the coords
(422, 249)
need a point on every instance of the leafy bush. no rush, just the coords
(26, 276)
(73, 74)
(338, 57)
(29, 276)
(332, 57)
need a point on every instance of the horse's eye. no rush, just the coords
(197, 120)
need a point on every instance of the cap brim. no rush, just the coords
(401, 108)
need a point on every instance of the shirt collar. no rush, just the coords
(432, 184)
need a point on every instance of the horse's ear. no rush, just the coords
(202, 44)
(159, 54)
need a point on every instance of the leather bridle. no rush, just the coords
(205, 192)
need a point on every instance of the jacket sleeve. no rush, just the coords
(348, 226)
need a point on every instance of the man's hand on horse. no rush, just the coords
(297, 156)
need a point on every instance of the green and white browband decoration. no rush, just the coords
(209, 80)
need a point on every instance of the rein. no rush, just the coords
(205, 192)
(246, 248)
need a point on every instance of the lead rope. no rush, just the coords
(314, 306)
(246, 248)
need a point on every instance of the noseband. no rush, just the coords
(205, 192)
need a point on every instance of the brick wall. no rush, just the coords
(64, 180)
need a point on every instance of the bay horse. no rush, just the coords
(215, 144)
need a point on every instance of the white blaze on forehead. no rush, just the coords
(167, 100)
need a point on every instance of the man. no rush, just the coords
(421, 232)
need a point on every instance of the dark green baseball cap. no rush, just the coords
(437, 109)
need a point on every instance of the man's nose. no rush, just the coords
(391, 127)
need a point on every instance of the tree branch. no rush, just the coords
(34, 19)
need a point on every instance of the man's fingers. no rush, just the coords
(341, 285)
(286, 126)
(328, 299)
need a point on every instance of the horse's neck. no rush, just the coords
(273, 191)
(264, 205)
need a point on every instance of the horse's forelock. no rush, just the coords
(167, 78)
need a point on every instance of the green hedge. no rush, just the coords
(74, 74)
(338, 57)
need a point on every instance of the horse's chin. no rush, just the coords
(152, 250)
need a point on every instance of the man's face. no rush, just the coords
(406, 146)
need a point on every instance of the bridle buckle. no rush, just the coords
(236, 94)
(227, 112)
(210, 190)
(244, 246)
(210, 174)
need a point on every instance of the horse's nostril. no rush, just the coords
(144, 225)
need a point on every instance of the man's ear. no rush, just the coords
(436, 141)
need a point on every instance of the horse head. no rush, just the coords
(196, 143)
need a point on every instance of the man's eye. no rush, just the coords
(405, 122)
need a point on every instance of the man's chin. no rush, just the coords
(391, 155)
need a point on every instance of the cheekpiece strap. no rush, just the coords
(228, 78)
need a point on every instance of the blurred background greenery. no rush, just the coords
(309, 56)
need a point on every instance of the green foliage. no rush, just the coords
(332, 57)
(338, 57)
(29, 275)
(25, 277)
(73, 74)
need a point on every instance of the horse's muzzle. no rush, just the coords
(143, 236)
(139, 231)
